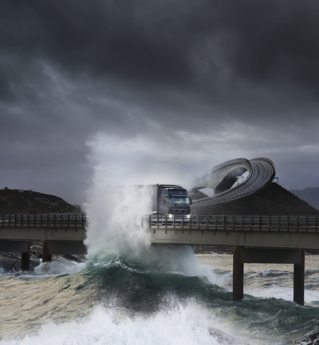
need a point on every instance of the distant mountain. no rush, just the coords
(310, 195)
(18, 201)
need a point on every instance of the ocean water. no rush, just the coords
(116, 301)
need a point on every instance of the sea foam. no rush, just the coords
(187, 325)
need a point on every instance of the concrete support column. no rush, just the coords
(25, 259)
(46, 256)
(299, 281)
(238, 275)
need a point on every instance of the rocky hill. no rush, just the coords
(271, 200)
(310, 195)
(17, 201)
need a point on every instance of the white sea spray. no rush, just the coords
(116, 203)
(187, 324)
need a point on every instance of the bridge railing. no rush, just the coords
(71, 220)
(234, 223)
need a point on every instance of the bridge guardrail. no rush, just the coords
(234, 223)
(43, 220)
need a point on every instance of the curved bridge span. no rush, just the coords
(259, 173)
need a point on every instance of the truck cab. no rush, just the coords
(173, 200)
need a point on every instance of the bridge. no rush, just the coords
(255, 239)
(287, 232)
(261, 172)
(60, 234)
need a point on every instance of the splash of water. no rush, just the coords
(114, 213)
(58, 266)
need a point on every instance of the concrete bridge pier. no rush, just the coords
(46, 255)
(243, 255)
(238, 275)
(25, 258)
(299, 280)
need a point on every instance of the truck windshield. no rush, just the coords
(179, 192)
(179, 200)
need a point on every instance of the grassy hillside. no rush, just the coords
(17, 201)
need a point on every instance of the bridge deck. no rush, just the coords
(53, 227)
(299, 232)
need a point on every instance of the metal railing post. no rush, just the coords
(278, 223)
(165, 223)
(268, 223)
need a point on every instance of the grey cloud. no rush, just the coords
(264, 41)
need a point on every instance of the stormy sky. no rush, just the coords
(156, 90)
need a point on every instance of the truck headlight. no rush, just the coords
(188, 216)
(170, 216)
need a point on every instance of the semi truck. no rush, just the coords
(170, 200)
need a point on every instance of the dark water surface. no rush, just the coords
(114, 301)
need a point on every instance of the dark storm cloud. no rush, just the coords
(206, 79)
(270, 41)
(237, 57)
(156, 42)
(103, 38)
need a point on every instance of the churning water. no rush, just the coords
(115, 300)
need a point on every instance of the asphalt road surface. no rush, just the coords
(263, 172)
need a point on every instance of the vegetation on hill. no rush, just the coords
(18, 201)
